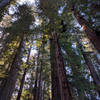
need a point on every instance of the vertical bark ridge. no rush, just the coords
(64, 86)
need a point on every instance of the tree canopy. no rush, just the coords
(49, 50)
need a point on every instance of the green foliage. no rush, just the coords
(38, 39)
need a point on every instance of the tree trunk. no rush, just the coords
(63, 82)
(40, 83)
(36, 80)
(9, 83)
(22, 84)
(94, 38)
(23, 78)
(90, 66)
(35, 87)
(54, 76)
(41, 69)
(5, 43)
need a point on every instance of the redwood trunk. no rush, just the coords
(9, 83)
(92, 69)
(54, 76)
(22, 84)
(23, 78)
(63, 82)
(94, 38)
(90, 65)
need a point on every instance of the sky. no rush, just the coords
(28, 1)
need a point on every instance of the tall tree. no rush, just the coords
(92, 35)
(9, 83)
(63, 82)
(54, 75)
(23, 77)
(89, 64)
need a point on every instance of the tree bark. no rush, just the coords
(23, 78)
(9, 83)
(63, 82)
(36, 88)
(90, 66)
(94, 38)
(22, 84)
(54, 76)
(5, 43)
(41, 69)
(40, 83)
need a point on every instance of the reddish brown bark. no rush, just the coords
(63, 82)
(54, 76)
(9, 83)
(92, 69)
(90, 66)
(95, 39)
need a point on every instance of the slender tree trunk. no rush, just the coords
(41, 69)
(94, 38)
(22, 84)
(92, 69)
(23, 78)
(36, 88)
(43, 91)
(36, 80)
(54, 76)
(40, 83)
(9, 83)
(31, 96)
(63, 82)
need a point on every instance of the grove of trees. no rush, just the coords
(49, 50)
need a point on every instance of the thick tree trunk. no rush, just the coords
(9, 83)
(23, 78)
(94, 38)
(54, 76)
(63, 82)
(89, 64)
